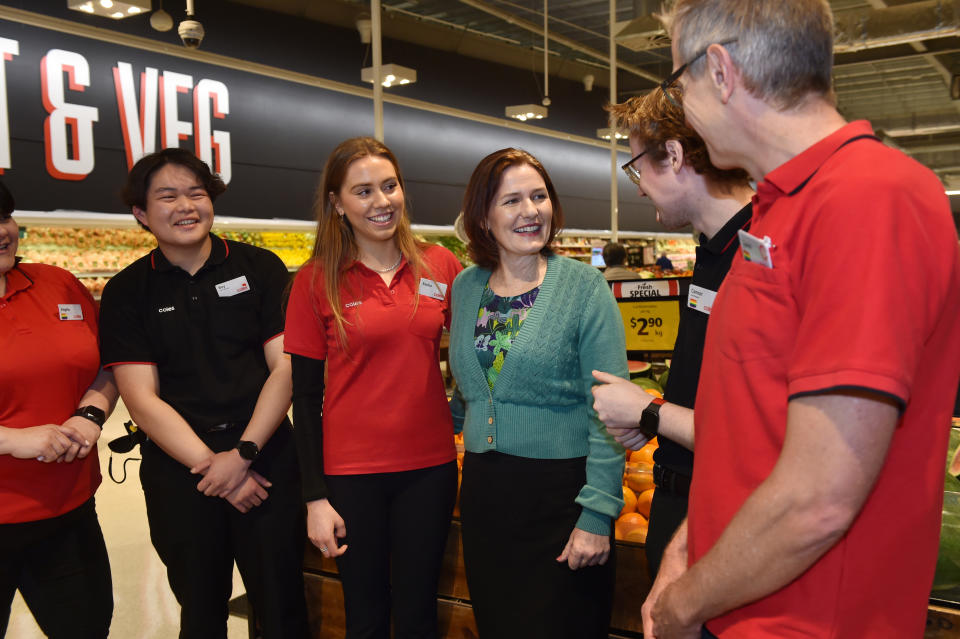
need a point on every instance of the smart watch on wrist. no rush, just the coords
(94, 414)
(650, 418)
(248, 450)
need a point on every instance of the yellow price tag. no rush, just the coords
(650, 325)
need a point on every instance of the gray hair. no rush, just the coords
(783, 48)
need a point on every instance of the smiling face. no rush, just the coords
(179, 212)
(521, 213)
(371, 199)
(9, 240)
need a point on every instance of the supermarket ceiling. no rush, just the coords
(895, 59)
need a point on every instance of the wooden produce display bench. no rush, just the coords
(325, 595)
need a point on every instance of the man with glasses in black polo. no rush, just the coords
(671, 167)
(832, 355)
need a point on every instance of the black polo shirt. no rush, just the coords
(713, 261)
(205, 332)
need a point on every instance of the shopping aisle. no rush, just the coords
(144, 607)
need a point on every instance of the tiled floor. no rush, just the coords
(144, 607)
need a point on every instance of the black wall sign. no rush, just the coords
(79, 111)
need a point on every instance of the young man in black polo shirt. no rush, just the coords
(672, 168)
(194, 334)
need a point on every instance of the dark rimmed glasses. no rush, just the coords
(632, 172)
(671, 79)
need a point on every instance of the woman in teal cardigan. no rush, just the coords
(541, 477)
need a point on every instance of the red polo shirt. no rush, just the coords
(48, 364)
(863, 294)
(385, 408)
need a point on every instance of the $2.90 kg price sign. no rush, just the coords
(651, 311)
(650, 325)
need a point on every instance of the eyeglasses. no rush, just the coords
(631, 170)
(671, 80)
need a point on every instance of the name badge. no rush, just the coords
(70, 312)
(756, 250)
(436, 290)
(701, 298)
(233, 287)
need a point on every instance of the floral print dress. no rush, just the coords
(498, 322)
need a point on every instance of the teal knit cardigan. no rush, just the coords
(541, 405)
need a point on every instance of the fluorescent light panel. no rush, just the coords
(116, 9)
(391, 75)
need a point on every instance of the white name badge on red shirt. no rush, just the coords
(756, 250)
(701, 298)
(70, 312)
(233, 287)
(436, 290)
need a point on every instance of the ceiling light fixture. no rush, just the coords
(115, 9)
(620, 134)
(524, 112)
(390, 75)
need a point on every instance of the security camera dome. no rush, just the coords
(191, 33)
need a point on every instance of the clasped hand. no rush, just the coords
(229, 476)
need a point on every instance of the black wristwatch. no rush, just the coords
(650, 418)
(248, 450)
(94, 414)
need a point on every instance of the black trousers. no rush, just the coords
(61, 568)
(666, 514)
(199, 537)
(397, 528)
(517, 516)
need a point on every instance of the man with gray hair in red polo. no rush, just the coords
(832, 353)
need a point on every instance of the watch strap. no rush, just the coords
(248, 450)
(94, 414)
(650, 418)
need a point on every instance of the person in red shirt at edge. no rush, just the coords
(375, 436)
(832, 354)
(54, 399)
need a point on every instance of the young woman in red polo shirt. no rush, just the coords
(374, 434)
(54, 399)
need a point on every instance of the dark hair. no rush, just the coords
(614, 254)
(135, 189)
(479, 195)
(653, 120)
(7, 204)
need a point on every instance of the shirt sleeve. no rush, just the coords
(305, 332)
(276, 284)
(602, 347)
(123, 334)
(871, 260)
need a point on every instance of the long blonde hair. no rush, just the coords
(336, 248)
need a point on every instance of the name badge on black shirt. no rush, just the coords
(233, 287)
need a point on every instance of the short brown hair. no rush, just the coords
(479, 195)
(783, 48)
(653, 120)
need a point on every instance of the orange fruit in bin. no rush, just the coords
(654, 392)
(644, 500)
(643, 456)
(629, 501)
(639, 478)
(628, 524)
